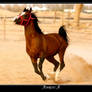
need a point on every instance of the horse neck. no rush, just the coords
(30, 31)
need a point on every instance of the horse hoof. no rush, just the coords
(51, 73)
(47, 77)
(44, 78)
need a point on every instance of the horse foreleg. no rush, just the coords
(40, 68)
(34, 62)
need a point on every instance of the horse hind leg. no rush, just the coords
(62, 65)
(53, 61)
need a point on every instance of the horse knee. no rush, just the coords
(56, 66)
(37, 72)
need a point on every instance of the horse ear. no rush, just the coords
(24, 10)
(30, 9)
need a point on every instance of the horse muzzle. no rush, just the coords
(15, 18)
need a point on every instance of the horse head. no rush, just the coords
(25, 17)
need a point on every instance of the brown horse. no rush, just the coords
(39, 45)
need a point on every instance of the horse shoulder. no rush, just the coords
(33, 46)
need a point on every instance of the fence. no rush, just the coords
(8, 27)
(9, 31)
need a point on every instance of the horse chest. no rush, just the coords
(33, 47)
(36, 47)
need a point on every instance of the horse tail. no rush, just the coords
(63, 33)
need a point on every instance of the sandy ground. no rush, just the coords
(16, 66)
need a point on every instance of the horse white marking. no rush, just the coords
(16, 17)
(47, 76)
(50, 75)
(22, 13)
(53, 75)
(57, 74)
(28, 8)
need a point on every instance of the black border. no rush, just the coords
(38, 88)
(46, 1)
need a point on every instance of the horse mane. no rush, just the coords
(36, 23)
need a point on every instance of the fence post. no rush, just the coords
(55, 16)
(68, 22)
(78, 8)
(4, 28)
